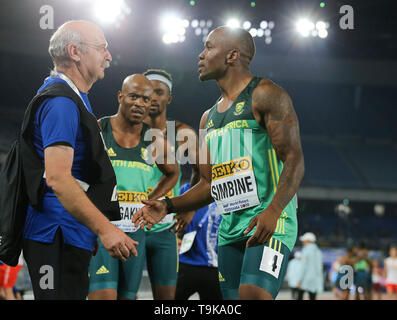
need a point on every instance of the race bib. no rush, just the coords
(130, 203)
(271, 261)
(233, 185)
(187, 241)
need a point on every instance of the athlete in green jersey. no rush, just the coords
(251, 164)
(161, 244)
(129, 152)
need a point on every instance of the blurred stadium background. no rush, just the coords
(342, 83)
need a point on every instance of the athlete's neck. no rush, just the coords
(122, 125)
(158, 122)
(233, 83)
(77, 77)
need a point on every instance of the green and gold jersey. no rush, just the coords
(168, 221)
(245, 170)
(133, 174)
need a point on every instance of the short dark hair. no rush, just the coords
(158, 71)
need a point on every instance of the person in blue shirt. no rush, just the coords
(59, 238)
(198, 255)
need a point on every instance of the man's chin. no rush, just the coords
(204, 77)
(154, 114)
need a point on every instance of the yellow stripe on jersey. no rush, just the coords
(270, 243)
(279, 247)
(272, 170)
(275, 244)
(275, 165)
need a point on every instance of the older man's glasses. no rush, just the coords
(99, 47)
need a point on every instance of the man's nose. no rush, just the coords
(108, 56)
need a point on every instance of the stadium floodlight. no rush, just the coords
(233, 23)
(268, 40)
(267, 32)
(194, 23)
(253, 32)
(174, 28)
(109, 12)
(185, 23)
(260, 33)
(246, 25)
(323, 33)
(271, 24)
(304, 27)
(263, 24)
(321, 25)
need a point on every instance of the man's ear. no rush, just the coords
(169, 99)
(233, 56)
(119, 96)
(74, 52)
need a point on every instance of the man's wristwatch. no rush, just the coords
(170, 206)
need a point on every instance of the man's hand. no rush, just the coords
(117, 243)
(265, 223)
(182, 220)
(150, 214)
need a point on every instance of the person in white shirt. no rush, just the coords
(390, 264)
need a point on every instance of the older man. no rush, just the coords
(311, 277)
(61, 229)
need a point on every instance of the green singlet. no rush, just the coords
(245, 171)
(133, 176)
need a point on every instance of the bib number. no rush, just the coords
(271, 261)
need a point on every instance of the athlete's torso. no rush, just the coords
(245, 170)
(133, 173)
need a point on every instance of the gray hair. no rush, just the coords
(59, 42)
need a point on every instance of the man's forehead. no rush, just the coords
(138, 86)
(157, 84)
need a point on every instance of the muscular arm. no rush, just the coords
(169, 178)
(197, 197)
(200, 194)
(273, 109)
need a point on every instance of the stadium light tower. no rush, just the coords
(233, 23)
(174, 28)
(304, 27)
(111, 12)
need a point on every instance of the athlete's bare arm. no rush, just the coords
(197, 197)
(273, 109)
(189, 148)
(169, 169)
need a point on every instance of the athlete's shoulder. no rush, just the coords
(268, 95)
(204, 118)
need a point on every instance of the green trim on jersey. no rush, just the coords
(247, 171)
